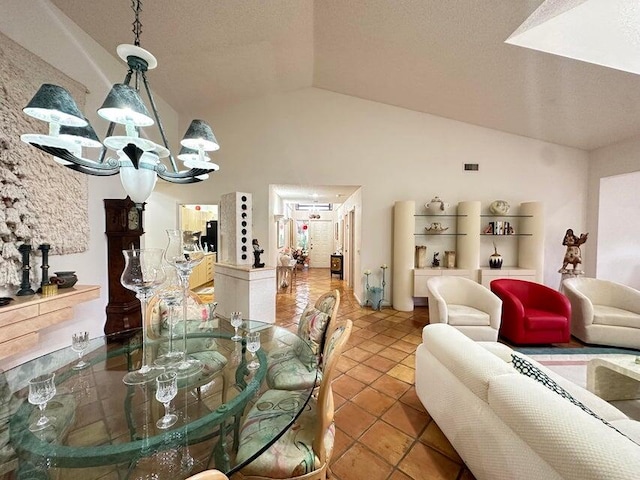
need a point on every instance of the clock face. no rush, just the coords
(133, 219)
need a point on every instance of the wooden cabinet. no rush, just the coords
(203, 272)
(337, 266)
(22, 320)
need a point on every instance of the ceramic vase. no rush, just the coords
(421, 256)
(495, 259)
(65, 279)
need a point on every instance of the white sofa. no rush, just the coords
(465, 305)
(604, 312)
(506, 425)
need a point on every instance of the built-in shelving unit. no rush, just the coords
(523, 252)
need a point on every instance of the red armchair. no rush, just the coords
(532, 312)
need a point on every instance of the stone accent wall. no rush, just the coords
(40, 200)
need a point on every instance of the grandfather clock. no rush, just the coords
(123, 229)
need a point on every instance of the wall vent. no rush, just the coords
(471, 167)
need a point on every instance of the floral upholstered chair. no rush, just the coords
(300, 366)
(203, 349)
(305, 449)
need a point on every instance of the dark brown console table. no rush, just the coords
(337, 265)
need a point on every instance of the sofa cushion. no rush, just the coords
(465, 315)
(472, 364)
(606, 315)
(542, 320)
(575, 444)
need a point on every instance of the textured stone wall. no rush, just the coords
(40, 200)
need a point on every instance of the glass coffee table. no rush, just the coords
(614, 377)
(106, 429)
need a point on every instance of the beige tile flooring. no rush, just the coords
(383, 431)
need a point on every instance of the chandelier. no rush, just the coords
(137, 159)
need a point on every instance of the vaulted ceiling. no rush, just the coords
(446, 58)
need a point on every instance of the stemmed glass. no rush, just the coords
(236, 322)
(143, 273)
(253, 345)
(184, 253)
(79, 343)
(167, 389)
(41, 390)
(171, 294)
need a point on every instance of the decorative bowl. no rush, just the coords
(5, 301)
(436, 228)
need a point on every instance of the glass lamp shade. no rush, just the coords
(123, 105)
(202, 165)
(83, 136)
(190, 154)
(200, 136)
(138, 182)
(54, 104)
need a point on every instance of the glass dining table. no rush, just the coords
(104, 428)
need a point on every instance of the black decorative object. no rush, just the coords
(436, 261)
(25, 286)
(256, 254)
(495, 259)
(44, 248)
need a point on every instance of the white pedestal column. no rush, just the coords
(252, 291)
(403, 255)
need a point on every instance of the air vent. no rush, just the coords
(471, 167)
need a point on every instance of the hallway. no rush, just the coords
(383, 431)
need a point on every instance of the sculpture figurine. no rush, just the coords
(436, 261)
(256, 254)
(573, 255)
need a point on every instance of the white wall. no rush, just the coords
(617, 159)
(316, 137)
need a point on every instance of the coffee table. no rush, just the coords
(614, 377)
(107, 429)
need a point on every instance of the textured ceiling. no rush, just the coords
(447, 58)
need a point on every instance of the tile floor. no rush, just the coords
(383, 431)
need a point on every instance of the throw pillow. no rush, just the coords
(527, 368)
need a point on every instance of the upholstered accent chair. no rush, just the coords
(465, 305)
(604, 312)
(300, 366)
(532, 313)
(209, 475)
(305, 449)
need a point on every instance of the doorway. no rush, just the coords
(320, 243)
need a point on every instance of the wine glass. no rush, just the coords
(184, 252)
(167, 389)
(143, 273)
(79, 343)
(236, 321)
(171, 295)
(253, 345)
(41, 389)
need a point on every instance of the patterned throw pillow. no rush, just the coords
(527, 368)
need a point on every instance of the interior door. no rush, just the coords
(320, 243)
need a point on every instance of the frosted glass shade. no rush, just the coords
(200, 136)
(123, 105)
(52, 103)
(138, 182)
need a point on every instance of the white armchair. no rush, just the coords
(604, 312)
(465, 305)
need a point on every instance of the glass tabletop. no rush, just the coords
(109, 429)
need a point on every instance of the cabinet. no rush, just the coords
(337, 265)
(422, 275)
(22, 320)
(487, 275)
(203, 272)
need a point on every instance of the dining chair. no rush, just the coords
(305, 449)
(209, 475)
(300, 366)
(202, 349)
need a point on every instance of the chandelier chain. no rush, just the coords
(136, 6)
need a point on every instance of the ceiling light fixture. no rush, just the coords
(138, 159)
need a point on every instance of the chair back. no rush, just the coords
(325, 408)
(157, 313)
(454, 289)
(329, 304)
